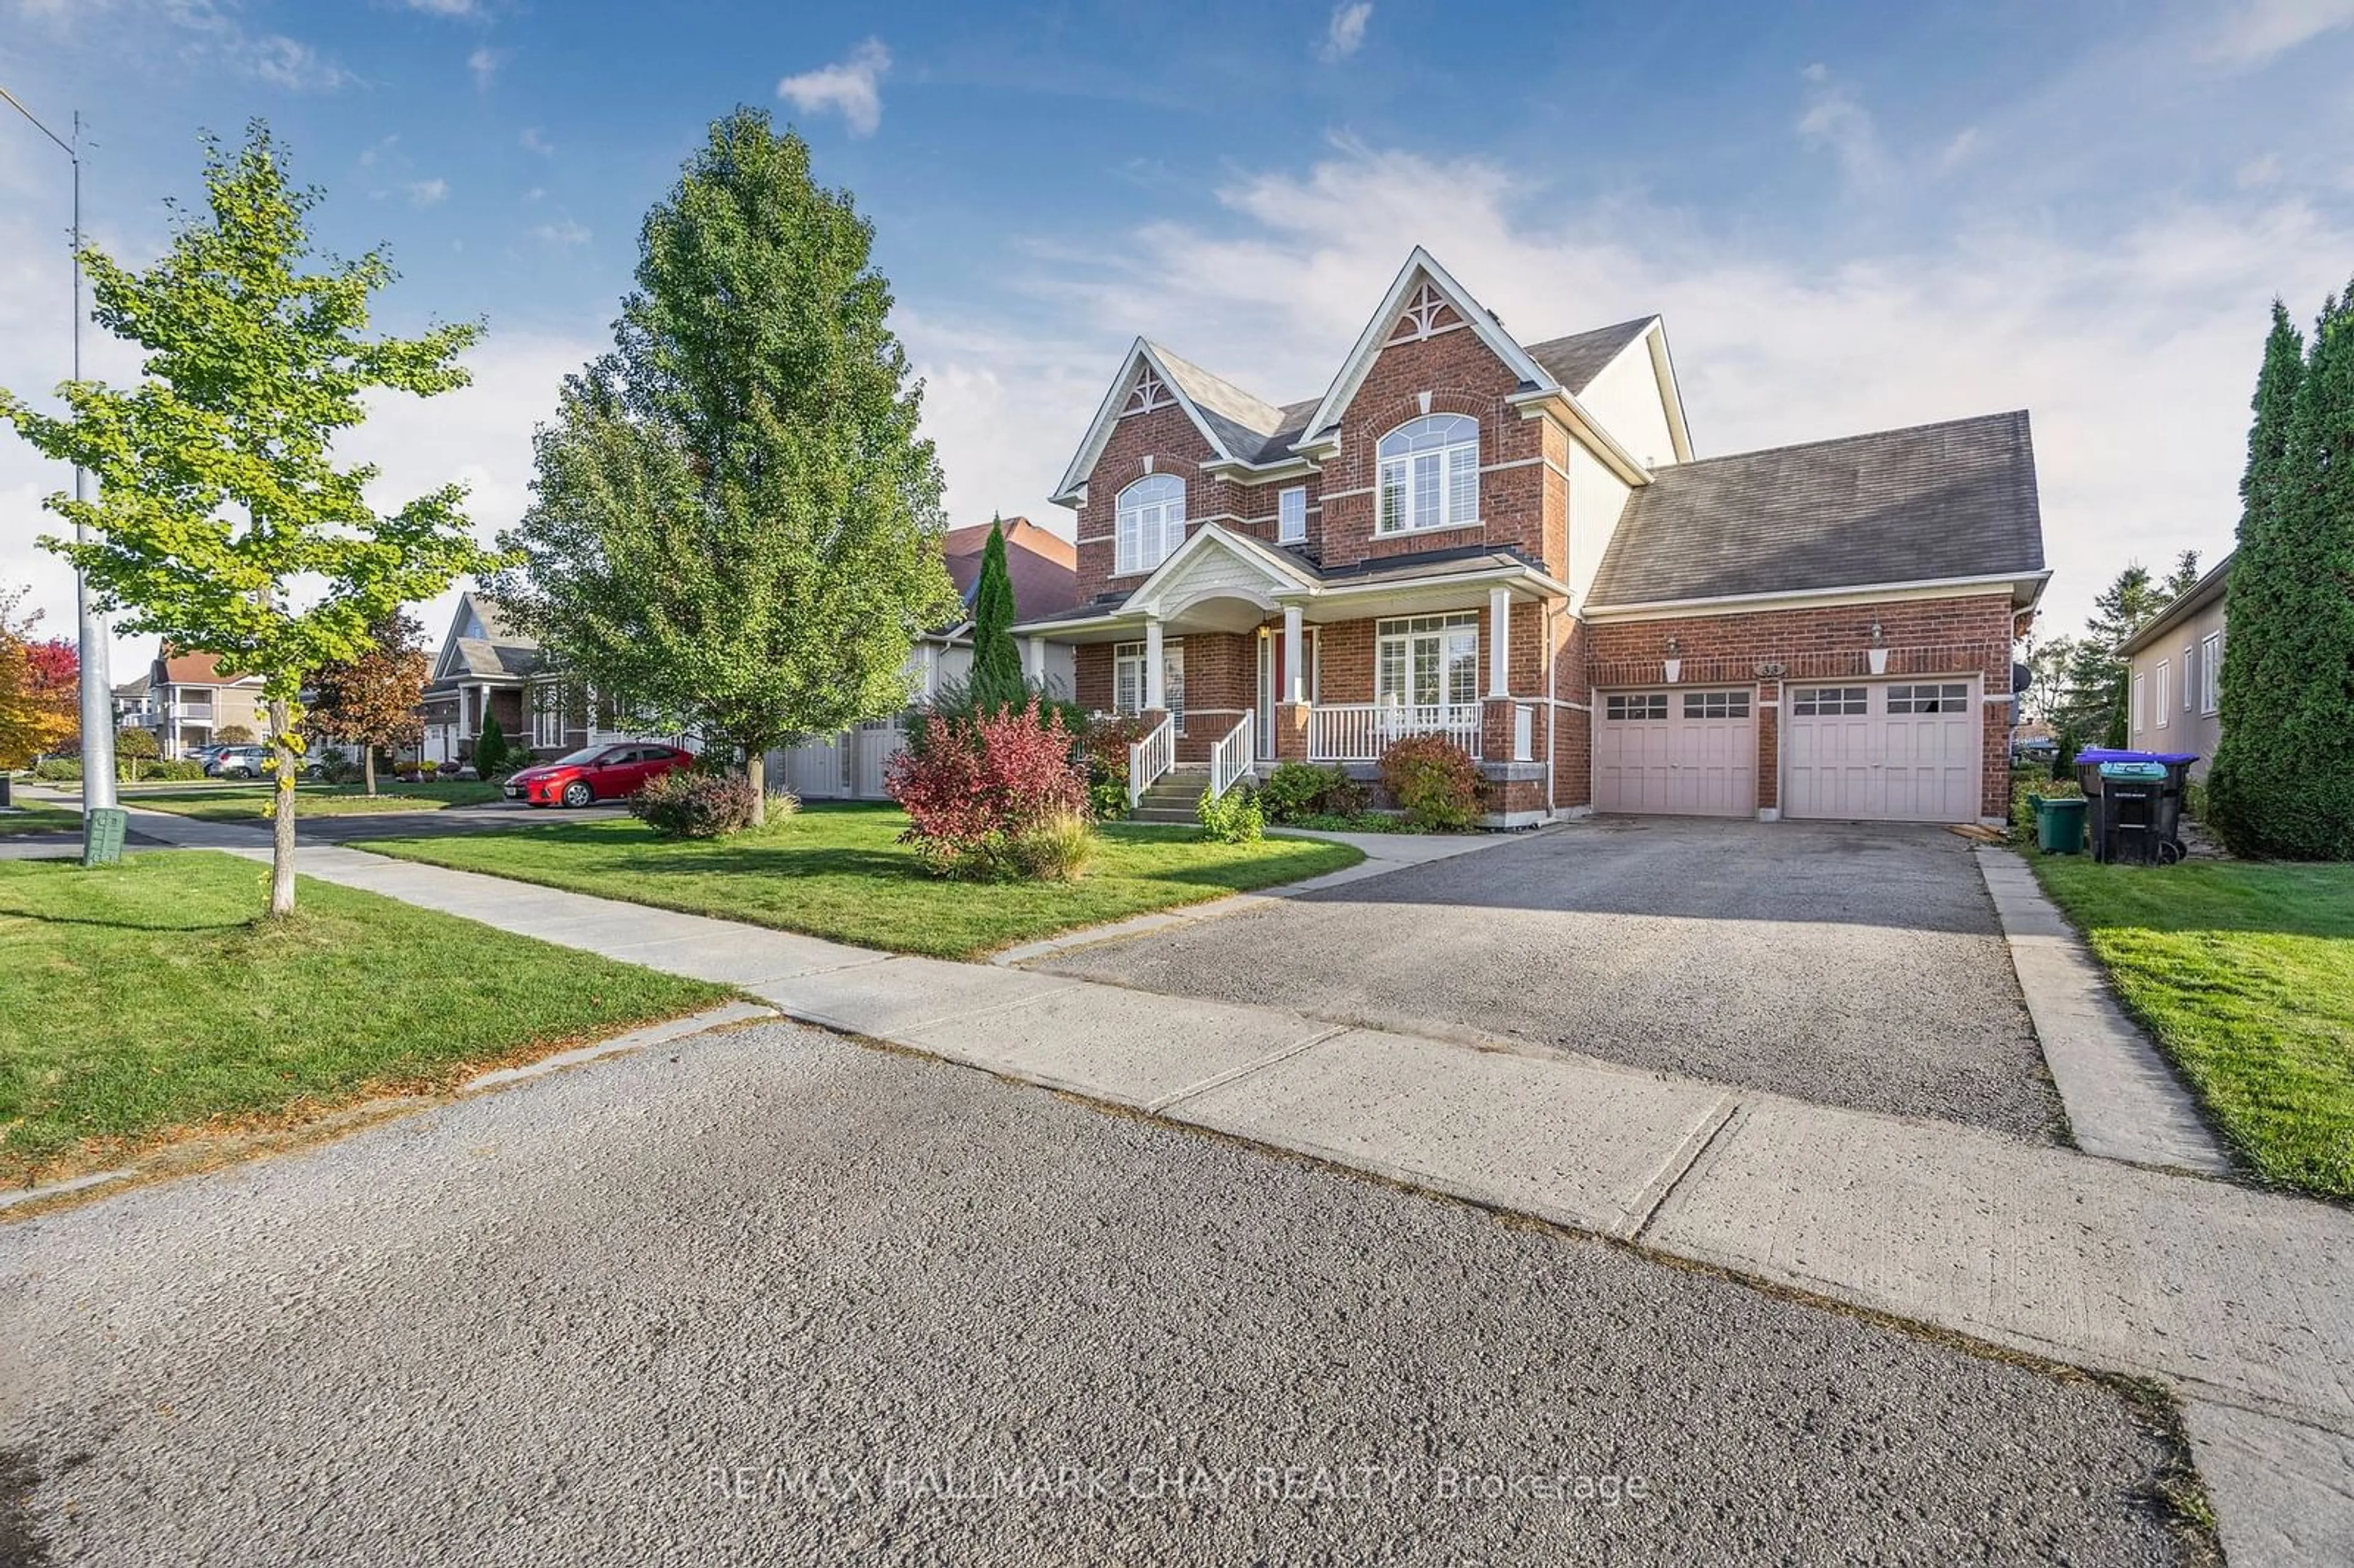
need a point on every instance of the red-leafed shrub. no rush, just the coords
(1435, 780)
(982, 792)
(1104, 747)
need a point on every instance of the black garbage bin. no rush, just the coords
(2136, 803)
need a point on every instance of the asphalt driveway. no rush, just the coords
(1852, 965)
(768, 1297)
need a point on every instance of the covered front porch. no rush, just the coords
(1238, 656)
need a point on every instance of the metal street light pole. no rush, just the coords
(97, 687)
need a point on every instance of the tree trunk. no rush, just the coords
(367, 765)
(756, 773)
(281, 825)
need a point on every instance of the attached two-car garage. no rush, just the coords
(1874, 751)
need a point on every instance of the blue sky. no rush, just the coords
(1853, 215)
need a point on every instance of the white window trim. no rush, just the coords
(2211, 673)
(1132, 552)
(1289, 530)
(2187, 666)
(1446, 630)
(2164, 691)
(1446, 512)
(1172, 679)
(2140, 708)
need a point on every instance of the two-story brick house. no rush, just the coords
(1515, 545)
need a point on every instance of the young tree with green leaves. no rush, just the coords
(736, 524)
(133, 747)
(373, 701)
(222, 521)
(2283, 779)
(997, 681)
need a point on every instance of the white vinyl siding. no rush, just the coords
(1429, 474)
(1127, 679)
(1291, 515)
(1151, 522)
(2211, 673)
(1429, 661)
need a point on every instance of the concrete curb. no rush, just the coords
(58, 1189)
(2123, 1101)
(635, 1040)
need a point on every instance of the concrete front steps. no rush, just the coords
(1173, 796)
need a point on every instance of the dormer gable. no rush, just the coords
(1151, 380)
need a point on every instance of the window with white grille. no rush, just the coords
(1945, 698)
(1829, 701)
(1427, 660)
(1636, 706)
(1291, 515)
(1717, 704)
(1128, 680)
(1151, 522)
(1429, 474)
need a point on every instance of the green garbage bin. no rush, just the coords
(102, 835)
(2060, 824)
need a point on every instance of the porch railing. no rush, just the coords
(1230, 759)
(1150, 757)
(1361, 732)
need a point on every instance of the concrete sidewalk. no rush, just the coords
(2235, 1296)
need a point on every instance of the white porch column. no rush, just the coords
(1156, 698)
(1499, 641)
(1034, 659)
(1295, 677)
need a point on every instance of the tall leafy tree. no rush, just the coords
(735, 526)
(2094, 686)
(373, 700)
(2183, 578)
(997, 679)
(2282, 778)
(40, 687)
(222, 521)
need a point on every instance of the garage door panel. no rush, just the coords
(1888, 751)
(1675, 752)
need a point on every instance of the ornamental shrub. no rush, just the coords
(1293, 791)
(688, 804)
(1435, 780)
(982, 794)
(1233, 818)
(958, 703)
(1103, 748)
(1056, 848)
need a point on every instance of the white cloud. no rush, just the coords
(484, 63)
(2104, 338)
(851, 88)
(2258, 30)
(289, 63)
(427, 193)
(1835, 120)
(444, 7)
(371, 153)
(1344, 35)
(564, 231)
(531, 141)
(2257, 173)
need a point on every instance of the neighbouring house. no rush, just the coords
(133, 709)
(486, 667)
(189, 700)
(2175, 700)
(1043, 567)
(1515, 545)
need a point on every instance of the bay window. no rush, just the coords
(1429, 474)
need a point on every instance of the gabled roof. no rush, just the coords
(1042, 566)
(1575, 360)
(1233, 405)
(1929, 503)
(1419, 266)
(177, 669)
(483, 644)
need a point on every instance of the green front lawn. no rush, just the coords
(839, 872)
(143, 999)
(244, 802)
(2245, 974)
(40, 817)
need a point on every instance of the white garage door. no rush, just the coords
(1689, 753)
(1896, 752)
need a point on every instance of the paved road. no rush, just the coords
(1857, 966)
(756, 1297)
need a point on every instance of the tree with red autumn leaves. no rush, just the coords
(40, 687)
(372, 701)
(981, 794)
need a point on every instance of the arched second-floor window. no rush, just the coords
(1151, 522)
(1429, 474)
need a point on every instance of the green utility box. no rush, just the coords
(2060, 824)
(102, 835)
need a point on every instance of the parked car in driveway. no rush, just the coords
(595, 773)
(237, 762)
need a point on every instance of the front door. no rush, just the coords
(1274, 682)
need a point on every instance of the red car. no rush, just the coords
(595, 773)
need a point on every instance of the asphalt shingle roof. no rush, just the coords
(1951, 500)
(1575, 360)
